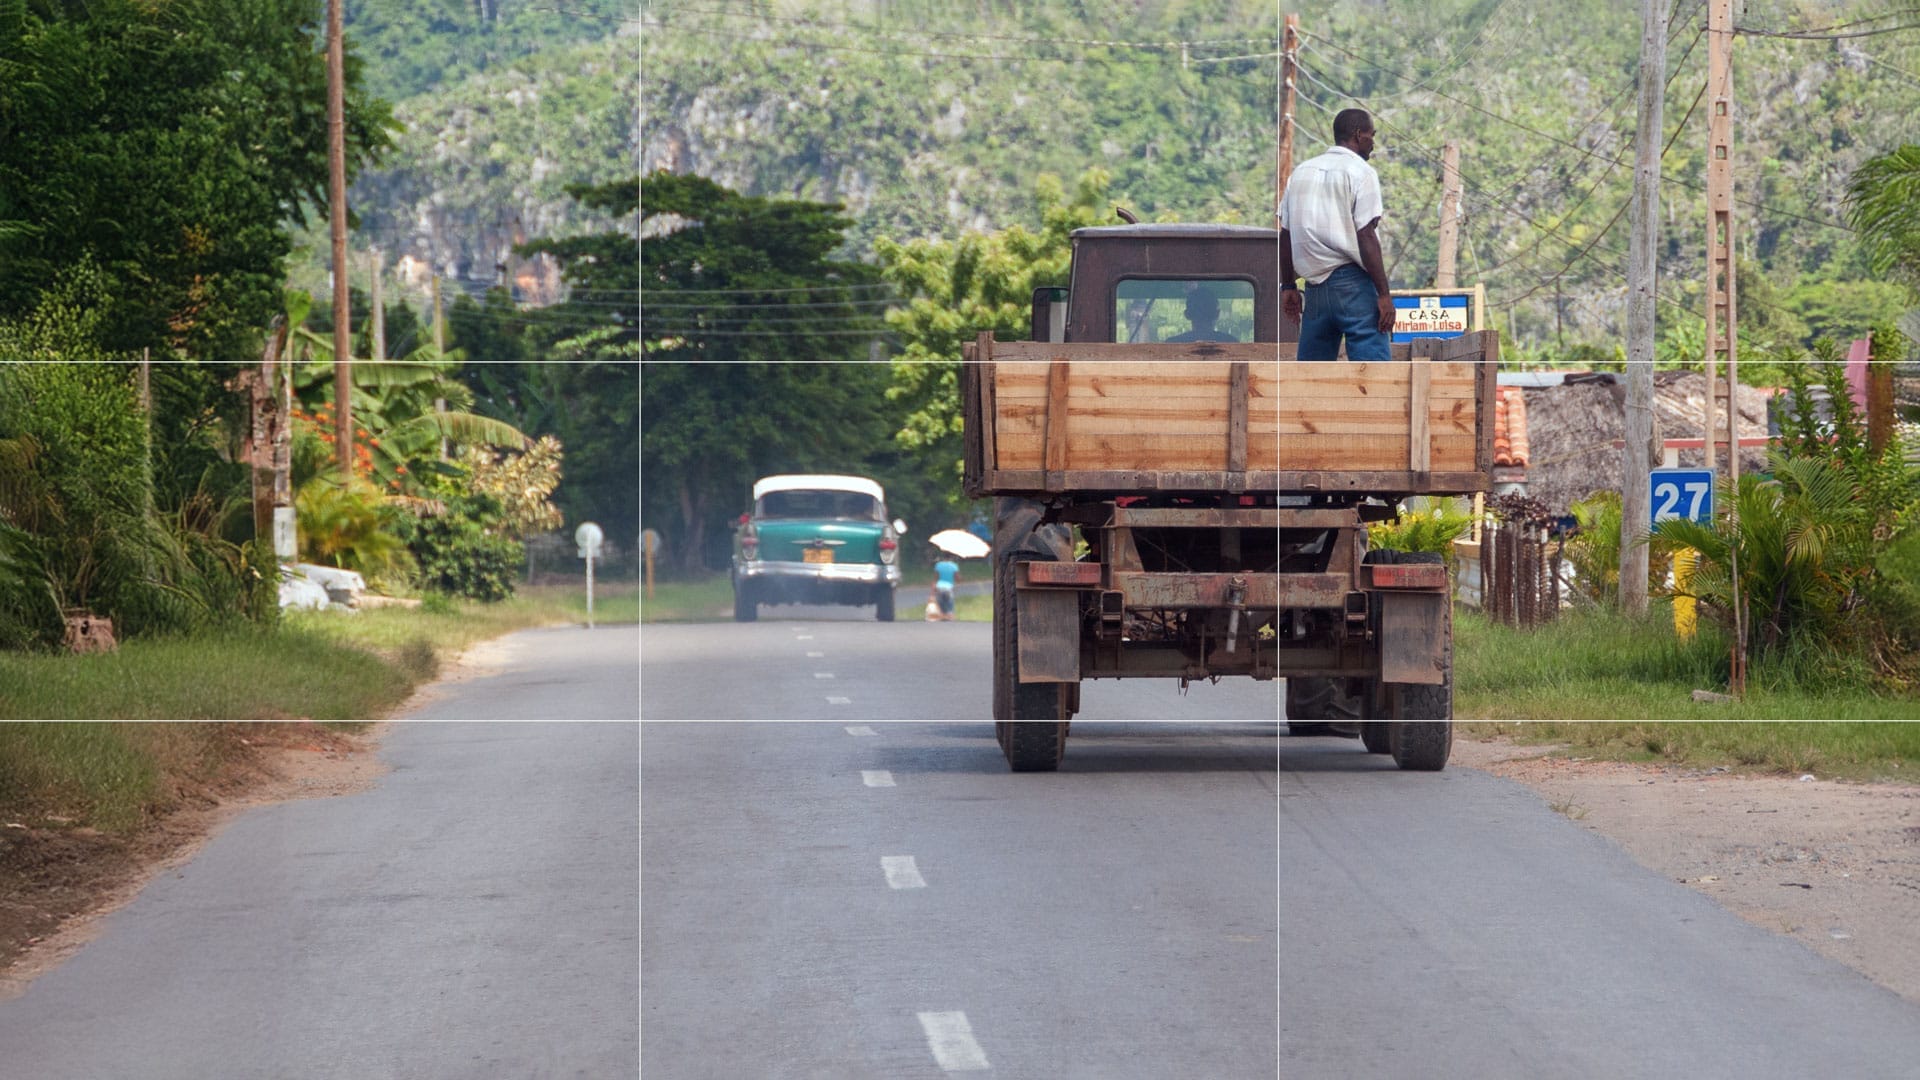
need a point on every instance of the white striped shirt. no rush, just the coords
(1329, 200)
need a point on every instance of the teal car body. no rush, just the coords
(816, 539)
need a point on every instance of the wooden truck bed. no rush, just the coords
(1118, 419)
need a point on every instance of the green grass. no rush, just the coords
(108, 776)
(1599, 666)
(316, 665)
(699, 600)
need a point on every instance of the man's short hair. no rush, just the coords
(1350, 122)
(1202, 306)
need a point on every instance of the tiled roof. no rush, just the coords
(1510, 427)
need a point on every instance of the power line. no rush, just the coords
(798, 43)
(1590, 153)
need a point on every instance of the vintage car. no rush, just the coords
(816, 540)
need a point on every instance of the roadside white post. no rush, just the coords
(588, 536)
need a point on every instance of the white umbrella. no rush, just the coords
(961, 543)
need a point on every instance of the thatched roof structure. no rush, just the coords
(1573, 428)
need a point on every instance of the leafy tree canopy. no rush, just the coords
(172, 143)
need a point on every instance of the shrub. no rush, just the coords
(462, 550)
(1423, 525)
(1594, 550)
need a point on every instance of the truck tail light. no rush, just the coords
(1409, 575)
(889, 550)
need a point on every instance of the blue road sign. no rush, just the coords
(1683, 493)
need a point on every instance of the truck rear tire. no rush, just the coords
(883, 603)
(1420, 733)
(745, 607)
(1373, 736)
(1030, 719)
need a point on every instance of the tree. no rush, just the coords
(1883, 205)
(171, 143)
(752, 340)
(956, 289)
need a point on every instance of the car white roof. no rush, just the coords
(817, 482)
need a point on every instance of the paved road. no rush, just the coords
(472, 916)
(834, 664)
(1186, 901)
(1113, 922)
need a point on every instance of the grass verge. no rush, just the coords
(1853, 751)
(1599, 666)
(322, 666)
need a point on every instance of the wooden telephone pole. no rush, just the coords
(1289, 68)
(379, 313)
(1723, 336)
(1636, 496)
(1722, 312)
(337, 211)
(1444, 277)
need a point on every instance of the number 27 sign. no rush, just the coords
(1683, 493)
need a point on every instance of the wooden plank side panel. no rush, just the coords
(1107, 415)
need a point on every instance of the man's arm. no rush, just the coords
(1290, 301)
(1376, 268)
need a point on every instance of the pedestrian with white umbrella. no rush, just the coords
(961, 544)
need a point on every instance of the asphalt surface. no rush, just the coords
(474, 915)
(837, 663)
(1193, 898)
(1108, 923)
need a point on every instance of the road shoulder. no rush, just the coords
(57, 882)
(1834, 865)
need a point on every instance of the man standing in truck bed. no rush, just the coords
(1329, 222)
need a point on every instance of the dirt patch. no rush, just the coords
(1834, 865)
(58, 880)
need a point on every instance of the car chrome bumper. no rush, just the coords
(867, 573)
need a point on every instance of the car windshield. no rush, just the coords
(843, 505)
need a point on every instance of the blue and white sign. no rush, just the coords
(1683, 493)
(1431, 315)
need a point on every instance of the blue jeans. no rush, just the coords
(1346, 303)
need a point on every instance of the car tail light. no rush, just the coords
(889, 550)
(750, 546)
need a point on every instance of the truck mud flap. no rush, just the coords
(1049, 625)
(1413, 637)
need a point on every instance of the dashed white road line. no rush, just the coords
(815, 655)
(950, 1038)
(823, 674)
(861, 729)
(877, 778)
(840, 701)
(901, 873)
(803, 637)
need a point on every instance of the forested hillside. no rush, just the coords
(502, 104)
(928, 119)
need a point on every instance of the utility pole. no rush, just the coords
(1722, 412)
(1289, 67)
(1722, 312)
(1642, 268)
(1443, 278)
(379, 313)
(440, 350)
(337, 211)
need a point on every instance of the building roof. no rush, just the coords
(816, 482)
(1572, 430)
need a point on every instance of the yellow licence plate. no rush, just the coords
(818, 555)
